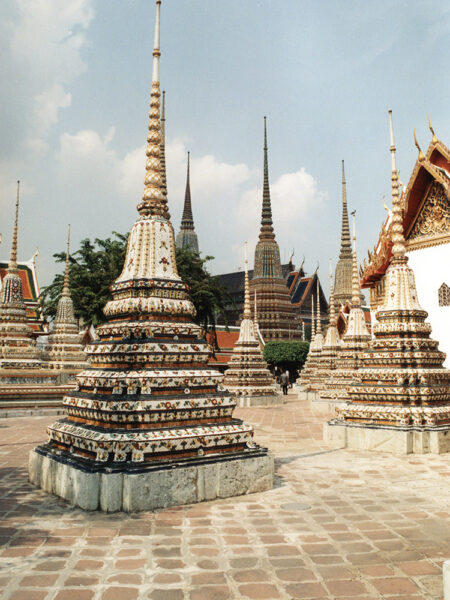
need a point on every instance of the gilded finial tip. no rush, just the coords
(434, 139)
(421, 154)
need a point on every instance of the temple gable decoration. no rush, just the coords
(432, 225)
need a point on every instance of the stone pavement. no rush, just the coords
(338, 525)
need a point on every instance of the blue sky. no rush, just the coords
(75, 84)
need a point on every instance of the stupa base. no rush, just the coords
(260, 400)
(383, 438)
(134, 488)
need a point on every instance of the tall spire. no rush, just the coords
(266, 215)
(398, 238)
(247, 310)
(356, 292)
(162, 146)
(12, 266)
(66, 287)
(187, 238)
(319, 324)
(187, 222)
(346, 247)
(153, 200)
(313, 325)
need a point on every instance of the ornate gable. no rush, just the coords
(432, 225)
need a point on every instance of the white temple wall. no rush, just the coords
(431, 267)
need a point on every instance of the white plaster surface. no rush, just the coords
(431, 268)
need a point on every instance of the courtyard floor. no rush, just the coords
(338, 524)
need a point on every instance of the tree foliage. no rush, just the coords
(286, 355)
(209, 297)
(92, 270)
(96, 265)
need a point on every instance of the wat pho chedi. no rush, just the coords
(149, 424)
(399, 399)
(32, 378)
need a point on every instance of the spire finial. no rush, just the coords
(332, 311)
(66, 288)
(319, 324)
(13, 258)
(313, 318)
(154, 202)
(156, 44)
(434, 139)
(398, 238)
(247, 310)
(266, 216)
(187, 220)
(356, 299)
(346, 247)
(421, 154)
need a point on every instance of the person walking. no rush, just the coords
(284, 383)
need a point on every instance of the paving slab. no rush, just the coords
(338, 524)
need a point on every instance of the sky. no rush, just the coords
(75, 82)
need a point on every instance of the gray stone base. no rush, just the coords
(260, 400)
(319, 406)
(158, 487)
(396, 440)
(304, 394)
(446, 578)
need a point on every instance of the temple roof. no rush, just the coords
(426, 211)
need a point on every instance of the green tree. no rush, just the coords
(286, 355)
(95, 266)
(208, 296)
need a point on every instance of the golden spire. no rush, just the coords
(434, 139)
(421, 154)
(66, 287)
(247, 310)
(153, 200)
(162, 146)
(12, 266)
(333, 321)
(313, 325)
(397, 236)
(356, 298)
(319, 324)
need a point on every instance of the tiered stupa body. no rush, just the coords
(247, 375)
(18, 349)
(276, 317)
(354, 342)
(304, 378)
(343, 275)
(187, 238)
(401, 402)
(64, 350)
(331, 348)
(316, 376)
(150, 424)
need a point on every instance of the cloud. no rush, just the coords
(226, 199)
(294, 196)
(41, 44)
